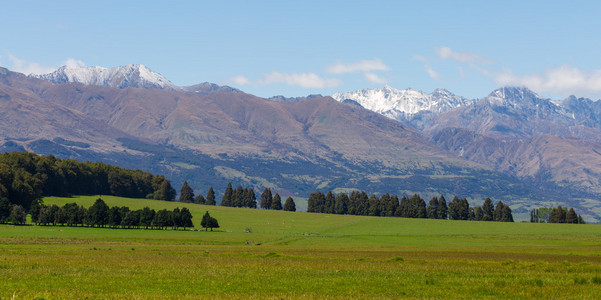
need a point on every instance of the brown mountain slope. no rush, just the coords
(25, 118)
(242, 124)
(568, 162)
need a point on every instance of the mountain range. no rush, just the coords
(512, 145)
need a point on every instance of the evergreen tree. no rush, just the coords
(210, 199)
(289, 205)
(506, 214)
(442, 208)
(433, 208)
(238, 197)
(417, 207)
(471, 214)
(205, 220)
(200, 199)
(373, 204)
(581, 220)
(389, 205)
(362, 204)
(352, 203)
(498, 212)
(478, 214)
(186, 194)
(266, 198)
(459, 209)
(403, 209)
(330, 203)
(557, 215)
(276, 203)
(487, 210)
(251, 198)
(165, 191)
(316, 202)
(341, 205)
(571, 217)
(227, 195)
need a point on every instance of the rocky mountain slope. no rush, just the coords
(405, 105)
(548, 143)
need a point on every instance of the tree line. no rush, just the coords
(359, 203)
(100, 215)
(555, 215)
(25, 177)
(186, 195)
(245, 197)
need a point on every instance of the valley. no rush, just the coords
(512, 146)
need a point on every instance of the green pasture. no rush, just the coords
(299, 255)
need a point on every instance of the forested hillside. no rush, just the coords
(25, 177)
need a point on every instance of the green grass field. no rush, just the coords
(300, 255)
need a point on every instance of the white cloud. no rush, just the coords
(305, 80)
(241, 80)
(433, 74)
(362, 66)
(564, 80)
(71, 62)
(466, 57)
(374, 78)
(427, 67)
(25, 67)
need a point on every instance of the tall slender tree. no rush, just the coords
(487, 210)
(341, 206)
(433, 208)
(442, 208)
(498, 212)
(506, 215)
(210, 199)
(227, 195)
(330, 203)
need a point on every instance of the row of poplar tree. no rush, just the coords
(239, 197)
(100, 215)
(555, 215)
(359, 203)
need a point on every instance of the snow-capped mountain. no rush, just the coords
(403, 104)
(118, 77)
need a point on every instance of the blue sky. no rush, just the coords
(272, 48)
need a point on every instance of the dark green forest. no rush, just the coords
(25, 177)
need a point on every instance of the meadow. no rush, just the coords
(299, 255)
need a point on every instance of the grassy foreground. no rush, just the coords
(300, 255)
